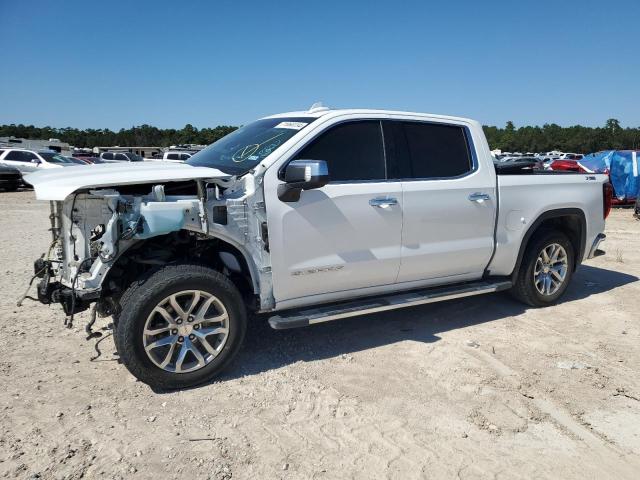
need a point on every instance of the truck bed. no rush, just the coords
(523, 198)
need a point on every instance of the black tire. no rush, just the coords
(145, 294)
(524, 288)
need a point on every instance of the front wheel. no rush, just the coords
(180, 326)
(546, 269)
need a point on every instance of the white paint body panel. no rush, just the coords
(335, 228)
(523, 198)
(58, 184)
(454, 240)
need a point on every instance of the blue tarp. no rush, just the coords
(622, 166)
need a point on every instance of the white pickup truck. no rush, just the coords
(302, 218)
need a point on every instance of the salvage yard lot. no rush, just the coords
(475, 388)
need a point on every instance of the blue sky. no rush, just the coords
(114, 64)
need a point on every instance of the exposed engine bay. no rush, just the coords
(104, 238)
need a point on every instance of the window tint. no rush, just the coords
(107, 156)
(353, 151)
(185, 156)
(173, 156)
(430, 150)
(20, 156)
(121, 156)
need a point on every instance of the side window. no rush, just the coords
(173, 156)
(107, 156)
(20, 156)
(433, 150)
(121, 156)
(14, 155)
(353, 151)
(185, 156)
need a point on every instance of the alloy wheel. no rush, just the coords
(186, 331)
(550, 270)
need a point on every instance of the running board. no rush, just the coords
(327, 313)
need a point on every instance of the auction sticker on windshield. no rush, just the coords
(291, 125)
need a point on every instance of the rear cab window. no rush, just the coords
(422, 150)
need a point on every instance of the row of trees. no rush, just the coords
(511, 139)
(142, 136)
(568, 139)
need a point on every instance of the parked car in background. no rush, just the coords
(571, 156)
(565, 165)
(91, 159)
(10, 178)
(519, 163)
(77, 161)
(115, 157)
(28, 161)
(173, 156)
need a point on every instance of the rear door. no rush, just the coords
(344, 236)
(449, 201)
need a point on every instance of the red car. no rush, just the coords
(566, 165)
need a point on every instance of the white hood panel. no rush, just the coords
(59, 183)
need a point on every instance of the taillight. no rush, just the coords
(607, 195)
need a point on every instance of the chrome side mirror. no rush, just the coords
(302, 175)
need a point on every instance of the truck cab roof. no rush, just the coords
(331, 113)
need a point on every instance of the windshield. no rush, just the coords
(240, 151)
(54, 157)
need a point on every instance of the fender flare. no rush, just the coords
(550, 214)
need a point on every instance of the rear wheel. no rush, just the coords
(180, 326)
(546, 269)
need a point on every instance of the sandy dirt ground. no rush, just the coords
(473, 388)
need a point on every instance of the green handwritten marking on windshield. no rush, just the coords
(245, 152)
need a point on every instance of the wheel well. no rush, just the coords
(179, 247)
(570, 221)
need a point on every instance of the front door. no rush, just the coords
(346, 235)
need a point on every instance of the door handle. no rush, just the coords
(383, 202)
(479, 197)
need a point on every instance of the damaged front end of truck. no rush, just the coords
(111, 225)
